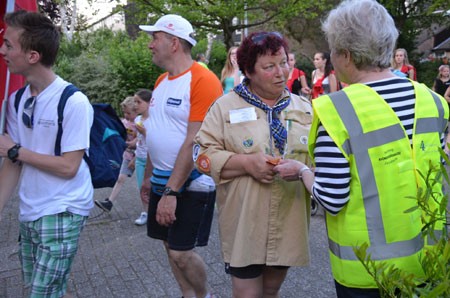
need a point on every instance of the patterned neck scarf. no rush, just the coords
(277, 130)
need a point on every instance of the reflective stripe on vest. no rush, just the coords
(429, 125)
(359, 145)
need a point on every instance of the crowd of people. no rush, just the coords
(257, 145)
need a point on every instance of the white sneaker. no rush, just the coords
(142, 220)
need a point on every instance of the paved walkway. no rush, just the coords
(117, 259)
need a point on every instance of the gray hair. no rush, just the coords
(365, 29)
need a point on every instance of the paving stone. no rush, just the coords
(134, 287)
(85, 290)
(110, 271)
(116, 259)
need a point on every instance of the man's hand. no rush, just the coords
(165, 214)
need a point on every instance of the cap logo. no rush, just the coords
(170, 27)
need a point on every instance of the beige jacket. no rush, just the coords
(258, 223)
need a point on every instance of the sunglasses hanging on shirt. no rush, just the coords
(28, 111)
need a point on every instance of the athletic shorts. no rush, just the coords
(247, 272)
(47, 249)
(194, 215)
(124, 169)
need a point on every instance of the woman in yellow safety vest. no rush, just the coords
(369, 142)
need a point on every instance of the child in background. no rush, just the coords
(141, 101)
(127, 167)
(442, 81)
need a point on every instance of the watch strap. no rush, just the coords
(169, 192)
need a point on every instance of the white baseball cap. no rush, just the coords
(173, 24)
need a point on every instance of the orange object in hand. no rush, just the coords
(274, 161)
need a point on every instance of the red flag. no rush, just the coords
(15, 81)
(29, 5)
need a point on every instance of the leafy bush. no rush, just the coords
(307, 66)
(107, 66)
(435, 261)
(130, 63)
(428, 71)
(218, 55)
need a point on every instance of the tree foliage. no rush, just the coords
(109, 66)
(414, 16)
(300, 20)
(216, 16)
(106, 65)
(54, 9)
(218, 54)
(50, 8)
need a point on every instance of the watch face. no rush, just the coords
(13, 153)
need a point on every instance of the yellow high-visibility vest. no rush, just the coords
(385, 177)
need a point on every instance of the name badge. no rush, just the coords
(242, 115)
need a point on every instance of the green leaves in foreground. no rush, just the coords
(435, 261)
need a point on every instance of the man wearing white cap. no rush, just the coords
(180, 198)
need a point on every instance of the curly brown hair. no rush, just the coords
(258, 44)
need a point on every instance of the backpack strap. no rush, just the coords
(19, 94)
(68, 92)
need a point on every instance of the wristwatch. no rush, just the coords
(13, 152)
(169, 192)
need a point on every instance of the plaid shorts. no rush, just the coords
(47, 248)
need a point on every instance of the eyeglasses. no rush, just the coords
(260, 37)
(28, 110)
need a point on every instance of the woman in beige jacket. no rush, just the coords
(263, 220)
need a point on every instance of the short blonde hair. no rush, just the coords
(128, 103)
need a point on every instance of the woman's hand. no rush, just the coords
(289, 169)
(259, 167)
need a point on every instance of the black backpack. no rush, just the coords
(107, 139)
